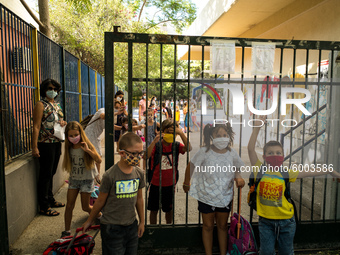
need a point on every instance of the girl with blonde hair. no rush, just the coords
(79, 161)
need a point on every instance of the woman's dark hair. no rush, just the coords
(44, 86)
(209, 130)
(118, 93)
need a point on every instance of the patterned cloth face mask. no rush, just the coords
(133, 159)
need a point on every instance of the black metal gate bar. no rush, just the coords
(330, 121)
(329, 97)
(186, 195)
(130, 87)
(174, 139)
(160, 133)
(109, 98)
(316, 133)
(146, 159)
(200, 40)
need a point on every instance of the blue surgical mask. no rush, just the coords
(51, 94)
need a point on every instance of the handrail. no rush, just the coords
(282, 136)
(303, 145)
(301, 122)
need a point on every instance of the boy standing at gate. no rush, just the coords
(119, 198)
(274, 207)
(165, 178)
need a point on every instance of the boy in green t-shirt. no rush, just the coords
(276, 213)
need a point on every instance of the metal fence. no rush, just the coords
(298, 64)
(27, 58)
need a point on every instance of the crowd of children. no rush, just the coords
(120, 193)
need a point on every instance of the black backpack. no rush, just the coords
(169, 112)
(254, 182)
(158, 157)
(85, 122)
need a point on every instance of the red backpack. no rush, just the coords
(73, 245)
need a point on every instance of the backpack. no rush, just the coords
(169, 112)
(246, 243)
(85, 122)
(157, 159)
(241, 238)
(79, 246)
(254, 182)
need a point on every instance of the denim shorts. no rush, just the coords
(84, 186)
(282, 231)
(119, 240)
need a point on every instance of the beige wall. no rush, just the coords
(320, 22)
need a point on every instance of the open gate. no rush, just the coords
(180, 64)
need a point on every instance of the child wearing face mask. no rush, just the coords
(214, 168)
(80, 158)
(125, 126)
(166, 158)
(120, 197)
(275, 211)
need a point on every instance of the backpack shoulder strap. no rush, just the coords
(157, 157)
(177, 144)
(258, 177)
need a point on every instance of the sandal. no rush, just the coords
(49, 212)
(57, 204)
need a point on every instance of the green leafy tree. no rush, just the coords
(180, 13)
(81, 31)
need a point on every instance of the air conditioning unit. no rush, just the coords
(21, 59)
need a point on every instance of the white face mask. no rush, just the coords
(51, 94)
(220, 142)
(119, 99)
(144, 97)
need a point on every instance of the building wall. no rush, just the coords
(21, 177)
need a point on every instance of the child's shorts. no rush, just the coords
(205, 208)
(166, 200)
(84, 186)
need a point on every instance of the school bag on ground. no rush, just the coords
(252, 194)
(73, 245)
(241, 238)
(158, 157)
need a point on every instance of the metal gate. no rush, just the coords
(313, 139)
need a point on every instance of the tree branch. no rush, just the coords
(141, 10)
(28, 9)
(164, 21)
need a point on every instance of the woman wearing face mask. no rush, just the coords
(79, 161)
(45, 145)
(119, 114)
(142, 106)
(215, 167)
(119, 96)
